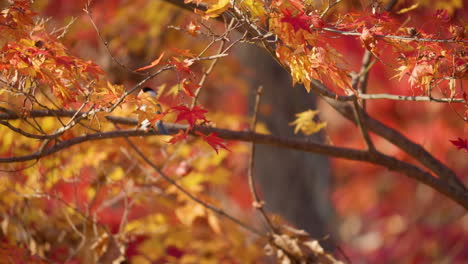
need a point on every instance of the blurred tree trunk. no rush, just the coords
(294, 184)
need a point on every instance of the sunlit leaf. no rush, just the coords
(305, 123)
(152, 64)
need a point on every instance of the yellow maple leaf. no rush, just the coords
(256, 8)
(218, 8)
(305, 123)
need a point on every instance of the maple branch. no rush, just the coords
(329, 6)
(76, 116)
(394, 137)
(206, 73)
(351, 33)
(324, 91)
(453, 191)
(411, 98)
(359, 82)
(236, 12)
(358, 115)
(24, 133)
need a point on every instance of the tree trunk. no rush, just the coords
(294, 184)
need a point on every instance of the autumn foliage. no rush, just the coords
(125, 134)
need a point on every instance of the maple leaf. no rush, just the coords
(422, 74)
(316, 20)
(189, 87)
(108, 94)
(193, 28)
(368, 40)
(157, 117)
(181, 135)
(190, 115)
(214, 141)
(183, 52)
(183, 66)
(298, 4)
(458, 32)
(442, 15)
(256, 8)
(65, 61)
(299, 21)
(152, 64)
(218, 8)
(460, 144)
(305, 123)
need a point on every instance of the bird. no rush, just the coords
(148, 95)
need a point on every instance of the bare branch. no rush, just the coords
(351, 33)
(258, 204)
(329, 6)
(324, 91)
(206, 73)
(24, 133)
(410, 98)
(358, 113)
(393, 136)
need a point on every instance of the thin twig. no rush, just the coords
(212, 64)
(358, 112)
(410, 98)
(329, 6)
(106, 44)
(360, 81)
(205, 75)
(191, 196)
(24, 133)
(258, 204)
(351, 33)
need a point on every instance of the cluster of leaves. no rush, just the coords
(98, 196)
(109, 203)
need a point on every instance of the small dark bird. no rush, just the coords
(150, 95)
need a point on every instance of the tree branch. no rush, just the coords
(459, 195)
(393, 136)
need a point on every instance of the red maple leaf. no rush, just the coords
(316, 20)
(190, 115)
(189, 87)
(299, 21)
(214, 141)
(460, 144)
(181, 135)
(182, 67)
(302, 20)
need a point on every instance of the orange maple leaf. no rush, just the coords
(181, 135)
(152, 64)
(189, 87)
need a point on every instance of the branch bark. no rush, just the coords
(454, 191)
